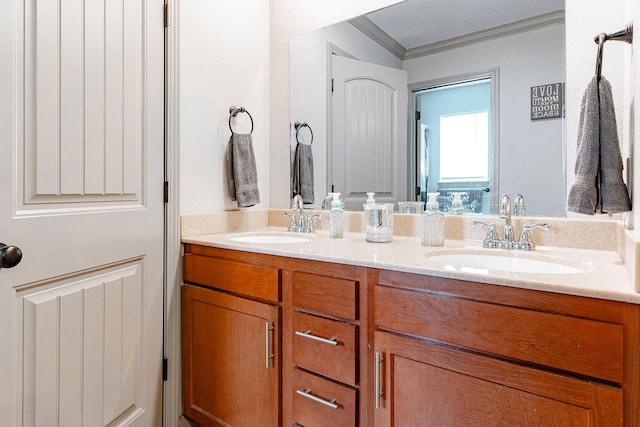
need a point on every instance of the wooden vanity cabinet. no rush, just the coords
(231, 327)
(451, 352)
(325, 352)
(272, 341)
(313, 315)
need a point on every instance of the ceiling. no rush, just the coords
(415, 23)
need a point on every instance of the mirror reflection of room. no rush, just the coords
(523, 46)
(454, 145)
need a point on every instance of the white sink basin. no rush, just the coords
(484, 262)
(271, 237)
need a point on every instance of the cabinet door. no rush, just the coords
(230, 356)
(424, 384)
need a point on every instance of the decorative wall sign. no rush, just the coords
(547, 101)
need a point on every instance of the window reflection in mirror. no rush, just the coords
(454, 143)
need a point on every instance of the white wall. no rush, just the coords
(224, 56)
(224, 61)
(309, 85)
(531, 151)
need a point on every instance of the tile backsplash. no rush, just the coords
(572, 233)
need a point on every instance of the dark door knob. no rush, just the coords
(10, 256)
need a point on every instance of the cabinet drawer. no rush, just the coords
(245, 279)
(584, 346)
(328, 295)
(312, 396)
(325, 346)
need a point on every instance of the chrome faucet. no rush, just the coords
(524, 242)
(298, 204)
(302, 223)
(518, 205)
(505, 212)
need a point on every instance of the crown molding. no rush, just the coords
(371, 30)
(376, 34)
(506, 30)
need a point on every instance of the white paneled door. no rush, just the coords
(368, 132)
(81, 195)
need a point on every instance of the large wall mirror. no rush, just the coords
(371, 96)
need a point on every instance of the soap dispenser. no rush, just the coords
(370, 201)
(335, 218)
(457, 207)
(326, 203)
(432, 222)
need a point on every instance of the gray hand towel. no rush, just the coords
(583, 196)
(614, 196)
(598, 186)
(242, 171)
(303, 172)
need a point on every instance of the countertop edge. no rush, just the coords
(616, 283)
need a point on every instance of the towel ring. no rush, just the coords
(233, 112)
(298, 126)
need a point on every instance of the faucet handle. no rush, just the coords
(492, 238)
(293, 225)
(310, 226)
(524, 242)
(536, 225)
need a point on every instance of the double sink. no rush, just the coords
(470, 260)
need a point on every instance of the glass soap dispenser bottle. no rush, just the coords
(335, 218)
(457, 207)
(432, 222)
(370, 201)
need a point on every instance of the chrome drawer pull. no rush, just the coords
(379, 392)
(268, 354)
(308, 395)
(307, 334)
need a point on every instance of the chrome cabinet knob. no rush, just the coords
(10, 256)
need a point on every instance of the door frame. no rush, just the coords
(172, 393)
(413, 157)
(332, 50)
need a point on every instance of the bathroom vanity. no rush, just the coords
(287, 334)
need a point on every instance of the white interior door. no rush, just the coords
(81, 178)
(369, 132)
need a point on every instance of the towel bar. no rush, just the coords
(625, 35)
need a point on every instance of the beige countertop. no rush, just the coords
(603, 272)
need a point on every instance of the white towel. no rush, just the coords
(242, 171)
